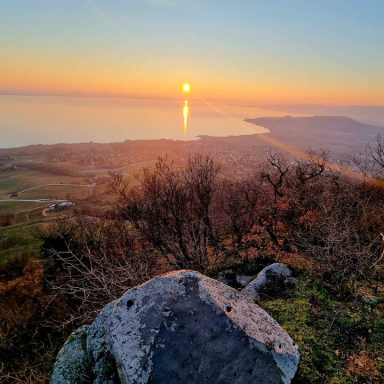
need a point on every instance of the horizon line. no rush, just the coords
(142, 97)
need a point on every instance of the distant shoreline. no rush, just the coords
(293, 130)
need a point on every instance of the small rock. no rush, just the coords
(223, 280)
(243, 281)
(273, 281)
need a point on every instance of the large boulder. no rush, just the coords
(273, 281)
(183, 327)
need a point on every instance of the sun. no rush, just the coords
(186, 87)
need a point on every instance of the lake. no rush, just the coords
(28, 120)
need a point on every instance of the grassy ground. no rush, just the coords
(16, 180)
(17, 206)
(56, 192)
(341, 341)
(18, 240)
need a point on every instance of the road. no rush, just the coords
(57, 185)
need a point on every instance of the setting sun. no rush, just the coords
(186, 87)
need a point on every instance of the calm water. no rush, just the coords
(45, 120)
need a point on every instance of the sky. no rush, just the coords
(254, 51)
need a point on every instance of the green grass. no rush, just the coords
(17, 206)
(328, 332)
(19, 239)
(16, 180)
(56, 192)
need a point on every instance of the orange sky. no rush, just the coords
(59, 78)
(95, 48)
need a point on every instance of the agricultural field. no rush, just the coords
(26, 194)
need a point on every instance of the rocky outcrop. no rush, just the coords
(183, 327)
(273, 281)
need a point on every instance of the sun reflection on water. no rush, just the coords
(185, 114)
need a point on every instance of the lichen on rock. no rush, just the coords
(72, 364)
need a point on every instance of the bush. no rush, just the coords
(90, 263)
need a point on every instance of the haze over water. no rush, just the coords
(28, 120)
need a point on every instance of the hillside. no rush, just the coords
(342, 135)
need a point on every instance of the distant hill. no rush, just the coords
(341, 135)
(368, 114)
(314, 123)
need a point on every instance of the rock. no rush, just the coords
(103, 365)
(243, 281)
(273, 281)
(72, 365)
(223, 280)
(183, 327)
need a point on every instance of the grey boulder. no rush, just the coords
(183, 327)
(72, 364)
(273, 281)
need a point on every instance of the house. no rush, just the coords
(59, 207)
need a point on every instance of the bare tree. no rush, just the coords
(275, 172)
(238, 201)
(371, 162)
(375, 152)
(313, 166)
(174, 210)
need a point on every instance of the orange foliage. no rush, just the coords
(308, 219)
(363, 364)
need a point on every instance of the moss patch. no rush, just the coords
(340, 341)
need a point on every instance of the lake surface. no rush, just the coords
(28, 120)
